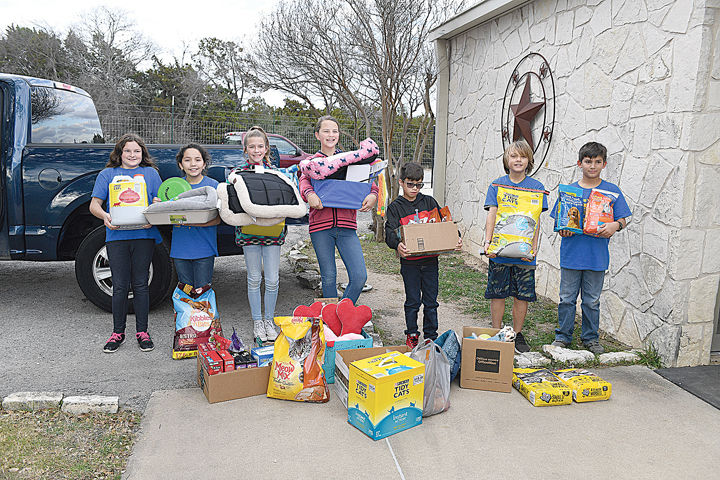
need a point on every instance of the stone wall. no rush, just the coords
(643, 78)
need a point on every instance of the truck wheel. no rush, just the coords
(92, 271)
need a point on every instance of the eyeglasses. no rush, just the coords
(417, 185)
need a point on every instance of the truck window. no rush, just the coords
(285, 148)
(62, 116)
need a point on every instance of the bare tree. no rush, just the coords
(224, 65)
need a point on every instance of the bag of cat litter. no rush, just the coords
(296, 371)
(541, 387)
(569, 212)
(599, 210)
(517, 221)
(585, 386)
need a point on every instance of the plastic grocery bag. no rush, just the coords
(436, 397)
(450, 344)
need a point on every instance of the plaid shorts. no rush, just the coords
(507, 280)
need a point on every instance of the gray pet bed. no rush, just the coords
(194, 206)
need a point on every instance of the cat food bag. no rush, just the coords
(517, 221)
(196, 319)
(541, 387)
(299, 354)
(585, 386)
(569, 214)
(599, 210)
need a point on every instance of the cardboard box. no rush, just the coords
(429, 238)
(541, 387)
(211, 362)
(486, 364)
(245, 382)
(385, 394)
(227, 360)
(329, 364)
(344, 358)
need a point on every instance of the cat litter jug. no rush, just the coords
(128, 199)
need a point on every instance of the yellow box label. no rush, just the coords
(585, 386)
(541, 387)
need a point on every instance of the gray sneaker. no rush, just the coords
(594, 347)
(560, 343)
(271, 333)
(259, 330)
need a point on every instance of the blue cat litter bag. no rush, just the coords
(196, 319)
(569, 214)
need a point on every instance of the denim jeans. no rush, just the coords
(197, 272)
(589, 284)
(259, 258)
(130, 265)
(421, 287)
(348, 245)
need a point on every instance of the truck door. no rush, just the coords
(4, 153)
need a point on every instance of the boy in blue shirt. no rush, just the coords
(584, 258)
(511, 277)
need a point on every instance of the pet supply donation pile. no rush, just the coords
(516, 222)
(296, 370)
(541, 387)
(192, 206)
(585, 386)
(196, 319)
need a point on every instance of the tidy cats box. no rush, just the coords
(343, 360)
(385, 394)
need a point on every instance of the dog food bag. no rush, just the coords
(585, 386)
(541, 387)
(299, 353)
(569, 212)
(599, 210)
(517, 221)
(196, 319)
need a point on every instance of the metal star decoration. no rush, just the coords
(525, 112)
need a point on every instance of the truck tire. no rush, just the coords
(92, 272)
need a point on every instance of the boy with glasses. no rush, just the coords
(420, 273)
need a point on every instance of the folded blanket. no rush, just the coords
(261, 198)
(203, 198)
(320, 168)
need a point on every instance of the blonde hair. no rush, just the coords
(256, 131)
(524, 150)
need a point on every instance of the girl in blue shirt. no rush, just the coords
(194, 246)
(129, 251)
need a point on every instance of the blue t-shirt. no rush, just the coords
(586, 252)
(102, 188)
(190, 243)
(491, 201)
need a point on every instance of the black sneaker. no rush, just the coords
(521, 345)
(144, 341)
(116, 339)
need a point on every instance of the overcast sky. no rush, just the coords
(166, 23)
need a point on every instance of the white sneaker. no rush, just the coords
(270, 329)
(259, 330)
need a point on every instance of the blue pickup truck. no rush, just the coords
(51, 150)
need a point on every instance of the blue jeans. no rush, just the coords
(197, 272)
(257, 259)
(348, 245)
(130, 265)
(589, 284)
(421, 287)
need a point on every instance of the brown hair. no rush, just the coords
(116, 154)
(256, 131)
(521, 147)
(324, 118)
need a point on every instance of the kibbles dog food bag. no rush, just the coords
(196, 319)
(585, 386)
(541, 387)
(299, 353)
(517, 221)
(569, 214)
(599, 210)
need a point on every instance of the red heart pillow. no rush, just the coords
(308, 310)
(353, 318)
(330, 318)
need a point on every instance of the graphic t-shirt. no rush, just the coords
(190, 243)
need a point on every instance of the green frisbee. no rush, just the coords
(172, 187)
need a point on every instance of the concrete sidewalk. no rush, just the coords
(649, 428)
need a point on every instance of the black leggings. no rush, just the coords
(129, 265)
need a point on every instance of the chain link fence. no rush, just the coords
(162, 126)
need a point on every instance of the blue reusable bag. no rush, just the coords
(341, 193)
(450, 344)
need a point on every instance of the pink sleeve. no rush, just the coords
(375, 189)
(305, 187)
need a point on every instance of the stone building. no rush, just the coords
(643, 78)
